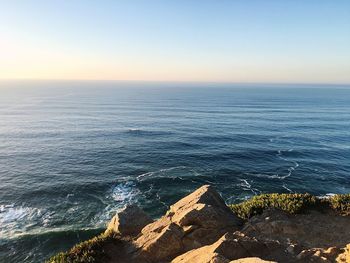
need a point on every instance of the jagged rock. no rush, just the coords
(204, 207)
(129, 221)
(232, 247)
(196, 220)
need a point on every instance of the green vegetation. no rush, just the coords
(291, 203)
(90, 251)
(341, 203)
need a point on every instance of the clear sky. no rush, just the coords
(181, 40)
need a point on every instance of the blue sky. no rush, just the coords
(224, 41)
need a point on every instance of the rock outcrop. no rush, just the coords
(200, 228)
(129, 221)
(197, 220)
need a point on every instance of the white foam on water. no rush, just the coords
(288, 189)
(135, 130)
(140, 177)
(69, 195)
(290, 169)
(172, 168)
(326, 196)
(125, 192)
(270, 176)
(15, 220)
(10, 213)
(247, 186)
(236, 198)
(121, 195)
(161, 173)
(160, 200)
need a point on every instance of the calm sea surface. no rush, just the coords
(72, 153)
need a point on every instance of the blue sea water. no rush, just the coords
(72, 153)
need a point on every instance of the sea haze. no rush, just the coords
(72, 153)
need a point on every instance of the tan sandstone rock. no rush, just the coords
(161, 246)
(232, 247)
(345, 256)
(326, 255)
(129, 221)
(196, 220)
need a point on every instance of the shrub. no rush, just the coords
(291, 203)
(90, 251)
(340, 203)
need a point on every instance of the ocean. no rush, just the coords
(73, 153)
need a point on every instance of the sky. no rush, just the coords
(184, 40)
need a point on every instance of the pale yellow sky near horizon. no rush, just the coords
(32, 61)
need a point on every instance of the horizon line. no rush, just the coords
(178, 81)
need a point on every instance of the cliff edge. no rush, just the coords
(202, 228)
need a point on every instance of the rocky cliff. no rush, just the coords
(202, 228)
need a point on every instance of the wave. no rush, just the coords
(161, 173)
(139, 177)
(183, 173)
(270, 176)
(19, 220)
(15, 220)
(59, 232)
(134, 130)
(37, 246)
(245, 185)
(10, 213)
(291, 169)
(288, 189)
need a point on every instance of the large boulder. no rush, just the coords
(196, 220)
(129, 221)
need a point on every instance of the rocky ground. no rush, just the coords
(201, 228)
